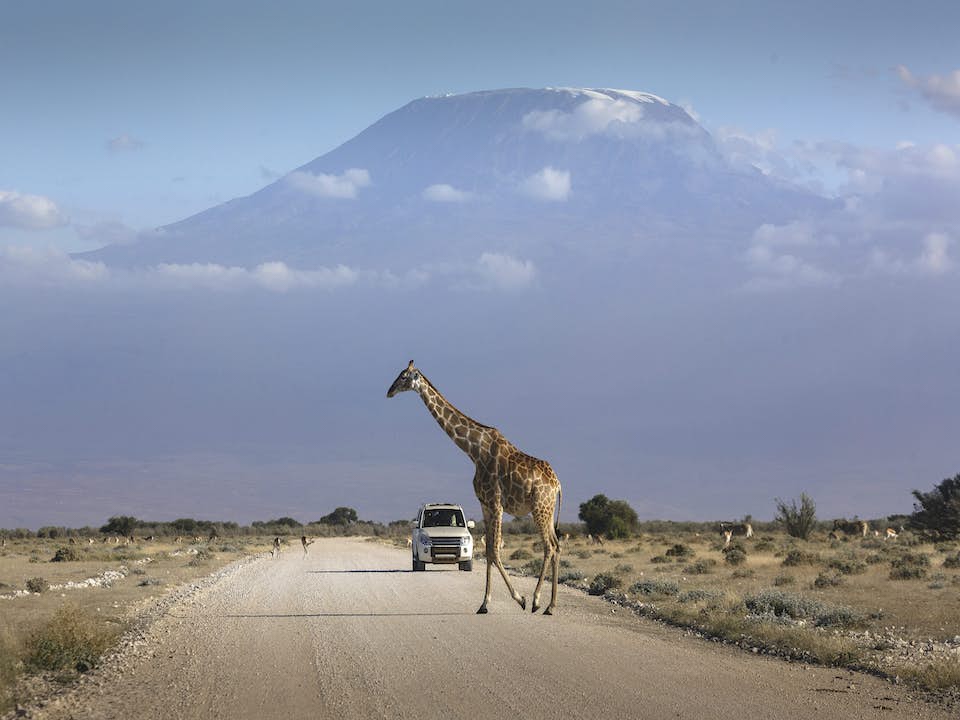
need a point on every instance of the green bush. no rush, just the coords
(572, 576)
(700, 567)
(602, 582)
(699, 595)
(521, 554)
(735, 554)
(828, 578)
(70, 639)
(65, 554)
(660, 559)
(656, 587)
(611, 518)
(847, 565)
(799, 520)
(680, 551)
(952, 562)
(782, 579)
(796, 557)
(936, 514)
(780, 604)
(909, 566)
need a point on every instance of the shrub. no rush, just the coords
(735, 554)
(584, 554)
(699, 595)
(936, 514)
(680, 551)
(521, 554)
(701, 567)
(65, 554)
(611, 518)
(659, 559)
(952, 562)
(70, 639)
(784, 605)
(37, 585)
(796, 557)
(602, 582)
(571, 576)
(847, 565)
(828, 578)
(764, 545)
(781, 579)
(150, 581)
(656, 587)
(743, 573)
(909, 566)
(799, 521)
(623, 569)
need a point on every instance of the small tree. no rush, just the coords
(936, 514)
(798, 521)
(612, 518)
(120, 525)
(340, 516)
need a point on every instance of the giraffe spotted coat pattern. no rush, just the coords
(506, 480)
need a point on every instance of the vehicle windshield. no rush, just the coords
(445, 517)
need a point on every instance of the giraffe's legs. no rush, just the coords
(494, 522)
(551, 553)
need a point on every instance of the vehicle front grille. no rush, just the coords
(445, 542)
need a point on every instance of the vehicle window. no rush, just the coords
(443, 518)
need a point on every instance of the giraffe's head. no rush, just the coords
(409, 379)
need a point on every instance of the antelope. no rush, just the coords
(893, 534)
(304, 542)
(276, 548)
(728, 530)
(178, 540)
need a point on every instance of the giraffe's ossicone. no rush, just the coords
(506, 479)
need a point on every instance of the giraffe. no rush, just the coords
(505, 480)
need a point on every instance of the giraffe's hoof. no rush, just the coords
(523, 603)
(548, 611)
(534, 607)
(482, 610)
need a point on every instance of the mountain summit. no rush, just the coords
(514, 169)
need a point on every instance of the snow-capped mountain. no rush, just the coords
(518, 169)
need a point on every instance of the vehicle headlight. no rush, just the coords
(464, 542)
(425, 539)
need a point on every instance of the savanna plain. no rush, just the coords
(866, 608)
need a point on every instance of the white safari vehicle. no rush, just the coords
(441, 535)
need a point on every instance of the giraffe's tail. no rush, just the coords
(556, 523)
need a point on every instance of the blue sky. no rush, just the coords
(126, 116)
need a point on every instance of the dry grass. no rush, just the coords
(66, 630)
(836, 588)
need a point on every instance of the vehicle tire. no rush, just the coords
(466, 565)
(418, 566)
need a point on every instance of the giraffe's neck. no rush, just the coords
(467, 434)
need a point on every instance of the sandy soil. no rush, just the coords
(350, 632)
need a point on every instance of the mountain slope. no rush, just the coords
(518, 170)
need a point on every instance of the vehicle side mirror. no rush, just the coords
(471, 524)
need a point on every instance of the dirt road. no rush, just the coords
(350, 632)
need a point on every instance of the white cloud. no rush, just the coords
(29, 212)
(124, 143)
(780, 271)
(942, 92)
(934, 258)
(29, 267)
(598, 115)
(797, 233)
(343, 186)
(445, 193)
(548, 184)
(505, 272)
